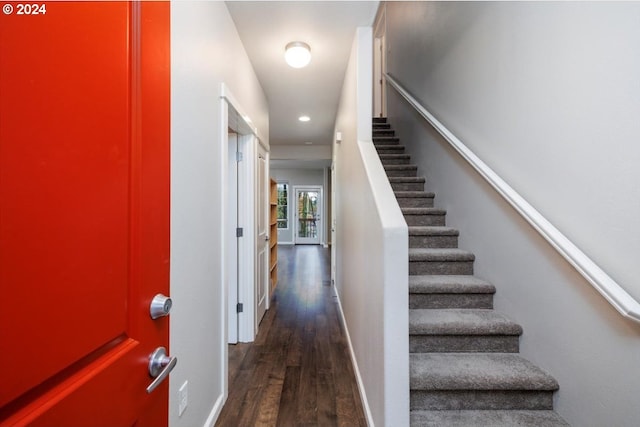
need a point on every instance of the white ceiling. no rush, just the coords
(265, 27)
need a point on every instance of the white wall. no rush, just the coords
(371, 252)
(547, 94)
(300, 152)
(299, 177)
(205, 51)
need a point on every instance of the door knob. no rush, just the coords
(160, 306)
(160, 365)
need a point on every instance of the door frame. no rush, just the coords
(261, 148)
(233, 116)
(380, 62)
(333, 222)
(235, 119)
(319, 189)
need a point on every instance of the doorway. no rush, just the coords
(308, 215)
(239, 146)
(380, 64)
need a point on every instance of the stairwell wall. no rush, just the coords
(205, 52)
(547, 95)
(371, 244)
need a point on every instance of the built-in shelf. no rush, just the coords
(273, 235)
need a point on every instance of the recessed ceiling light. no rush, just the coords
(304, 118)
(308, 143)
(297, 54)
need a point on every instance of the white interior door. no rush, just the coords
(308, 215)
(262, 243)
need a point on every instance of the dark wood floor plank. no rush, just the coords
(327, 415)
(258, 382)
(237, 353)
(308, 392)
(231, 410)
(269, 405)
(287, 411)
(298, 371)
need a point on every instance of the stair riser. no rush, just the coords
(407, 186)
(386, 141)
(433, 241)
(438, 301)
(398, 149)
(383, 132)
(415, 202)
(440, 267)
(481, 399)
(395, 161)
(461, 343)
(425, 220)
(402, 173)
(377, 126)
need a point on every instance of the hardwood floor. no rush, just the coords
(298, 371)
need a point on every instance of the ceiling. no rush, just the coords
(265, 27)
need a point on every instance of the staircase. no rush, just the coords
(464, 364)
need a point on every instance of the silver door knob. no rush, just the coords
(160, 365)
(160, 306)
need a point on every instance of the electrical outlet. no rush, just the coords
(183, 398)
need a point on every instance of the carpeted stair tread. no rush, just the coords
(379, 120)
(477, 371)
(487, 418)
(400, 167)
(406, 179)
(381, 126)
(449, 284)
(394, 156)
(385, 140)
(389, 159)
(440, 254)
(432, 231)
(461, 322)
(423, 211)
(393, 147)
(416, 194)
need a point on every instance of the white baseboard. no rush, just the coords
(286, 243)
(215, 412)
(356, 370)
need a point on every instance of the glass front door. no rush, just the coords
(308, 215)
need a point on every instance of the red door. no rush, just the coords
(84, 211)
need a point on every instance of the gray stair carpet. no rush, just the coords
(465, 369)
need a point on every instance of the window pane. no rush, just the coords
(283, 210)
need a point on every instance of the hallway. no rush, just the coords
(298, 371)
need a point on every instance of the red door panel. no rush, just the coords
(84, 211)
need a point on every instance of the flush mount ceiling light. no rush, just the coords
(304, 118)
(297, 54)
